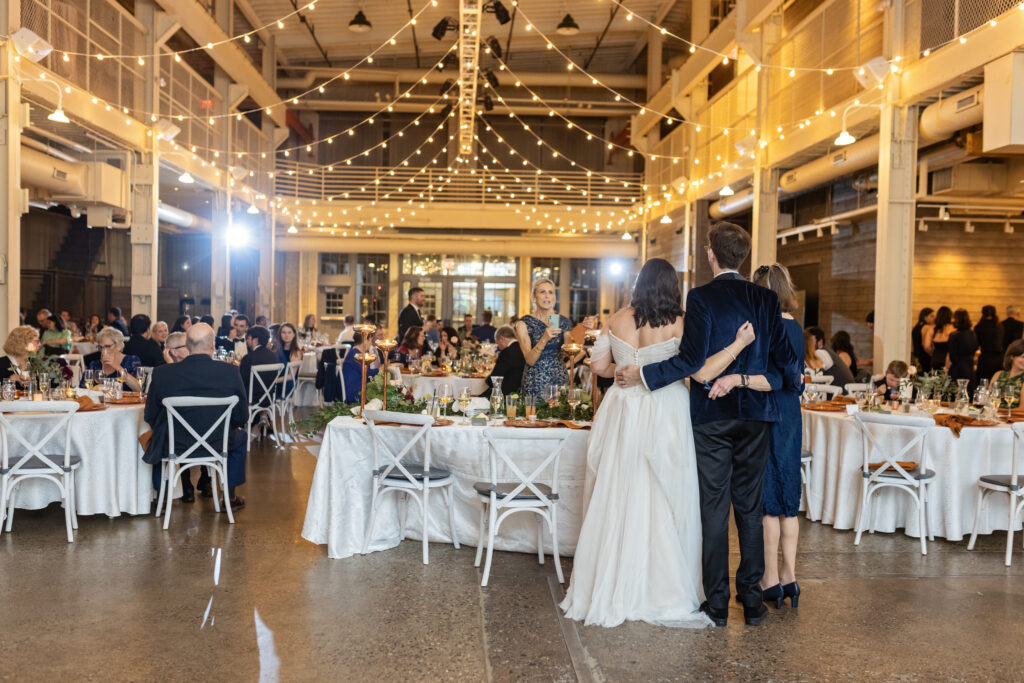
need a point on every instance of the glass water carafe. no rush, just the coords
(963, 398)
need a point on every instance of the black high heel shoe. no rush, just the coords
(791, 591)
(774, 594)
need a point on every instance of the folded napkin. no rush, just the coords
(145, 438)
(571, 425)
(956, 423)
(86, 404)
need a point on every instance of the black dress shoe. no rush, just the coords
(754, 615)
(188, 497)
(205, 492)
(237, 503)
(720, 617)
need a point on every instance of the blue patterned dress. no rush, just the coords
(548, 369)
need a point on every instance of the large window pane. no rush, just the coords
(500, 300)
(372, 286)
(464, 300)
(585, 288)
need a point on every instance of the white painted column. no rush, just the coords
(220, 255)
(268, 238)
(11, 201)
(765, 225)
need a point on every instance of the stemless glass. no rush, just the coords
(530, 407)
(511, 406)
(551, 395)
(8, 391)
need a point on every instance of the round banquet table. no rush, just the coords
(836, 445)
(338, 510)
(112, 479)
(421, 386)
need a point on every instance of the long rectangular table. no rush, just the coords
(836, 444)
(339, 501)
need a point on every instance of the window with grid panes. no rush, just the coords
(372, 286)
(584, 287)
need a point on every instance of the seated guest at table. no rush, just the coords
(963, 344)
(830, 361)
(431, 334)
(42, 315)
(22, 342)
(348, 329)
(843, 346)
(182, 324)
(467, 326)
(175, 349)
(94, 325)
(139, 344)
(1009, 380)
(509, 364)
(227, 325)
(485, 331)
(352, 369)
(890, 382)
(286, 344)
(56, 339)
(262, 321)
(812, 364)
(69, 323)
(199, 375)
(450, 343)
(116, 320)
(989, 332)
(257, 339)
(159, 332)
(113, 363)
(235, 341)
(309, 325)
(411, 347)
(925, 321)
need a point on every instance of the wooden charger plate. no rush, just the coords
(537, 424)
(438, 422)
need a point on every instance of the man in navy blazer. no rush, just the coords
(198, 374)
(732, 433)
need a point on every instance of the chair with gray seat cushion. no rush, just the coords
(1009, 485)
(882, 466)
(22, 459)
(411, 480)
(806, 462)
(500, 499)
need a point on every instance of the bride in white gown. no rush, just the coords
(639, 550)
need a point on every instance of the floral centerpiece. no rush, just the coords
(400, 400)
(936, 385)
(50, 367)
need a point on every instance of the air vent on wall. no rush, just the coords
(839, 158)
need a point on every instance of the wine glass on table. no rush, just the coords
(575, 398)
(464, 400)
(89, 377)
(140, 375)
(445, 396)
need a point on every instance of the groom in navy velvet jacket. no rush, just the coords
(732, 434)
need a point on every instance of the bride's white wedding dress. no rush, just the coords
(638, 555)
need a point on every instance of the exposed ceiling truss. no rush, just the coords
(469, 56)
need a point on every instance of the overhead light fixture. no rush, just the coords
(59, 116)
(488, 103)
(627, 236)
(845, 138)
(165, 130)
(491, 78)
(359, 23)
(252, 210)
(447, 111)
(944, 214)
(186, 178)
(922, 226)
(495, 46)
(726, 191)
(292, 230)
(873, 72)
(1008, 228)
(968, 227)
(665, 220)
(448, 60)
(447, 85)
(499, 11)
(30, 45)
(568, 27)
(442, 27)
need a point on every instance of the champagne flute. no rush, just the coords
(140, 375)
(575, 398)
(464, 399)
(89, 377)
(444, 396)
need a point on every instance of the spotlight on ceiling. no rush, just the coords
(726, 191)
(568, 27)
(845, 138)
(359, 23)
(30, 45)
(499, 11)
(186, 178)
(872, 72)
(488, 103)
(491, 78)
(292, 230)
(944, 214)
(447, 85)
(495, 46)
(165, 130)
(448, 60)
(447, 111)
(443, 26)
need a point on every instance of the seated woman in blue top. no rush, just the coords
(352, 369)
(113, 364)
(286, 344)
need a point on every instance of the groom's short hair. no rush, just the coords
(730, 243)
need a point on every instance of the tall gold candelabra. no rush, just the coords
(365, 358)
(573, 349)
(385, 345)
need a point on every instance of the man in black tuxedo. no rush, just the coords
(509, 364)
(410, 315)
(256, 339)
(732, 434)
(141, 344)
(197, 375)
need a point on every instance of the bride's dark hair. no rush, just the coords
(656, 297)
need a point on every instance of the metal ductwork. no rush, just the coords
(938, 122)
(54, 175)
(182, 218)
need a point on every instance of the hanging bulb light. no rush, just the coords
(665, 220)
(568, 27)
(726, 191)
(252, 210)
(627, 236)
(186, 178)
(359, 23)
(59, 116)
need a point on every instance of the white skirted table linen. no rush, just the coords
(339, 501)
(421, 386)
(112, 479)
(836, 445)
(306, 393)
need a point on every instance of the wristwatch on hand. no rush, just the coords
(744, 381)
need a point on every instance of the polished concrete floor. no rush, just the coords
(254, 601)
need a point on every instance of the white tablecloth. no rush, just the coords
(112, 480)
(306, 393)
(421, 386)
(836, 443)
(339, 500)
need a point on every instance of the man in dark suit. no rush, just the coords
(410, 315)
(114, 320)
(256, 339)
(1013, 328)
(197, 375)
(141, 344)
(732, 434)
(485, 331)
(509, 364)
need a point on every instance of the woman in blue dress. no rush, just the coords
(541, 341)
(113, 363)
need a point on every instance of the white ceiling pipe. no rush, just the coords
(938, 121)
(729, 206)
(527, 245)
(529, 78)
(182, 218)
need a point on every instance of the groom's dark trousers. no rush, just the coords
(732, 434)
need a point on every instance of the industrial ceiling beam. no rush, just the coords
(469, 62)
